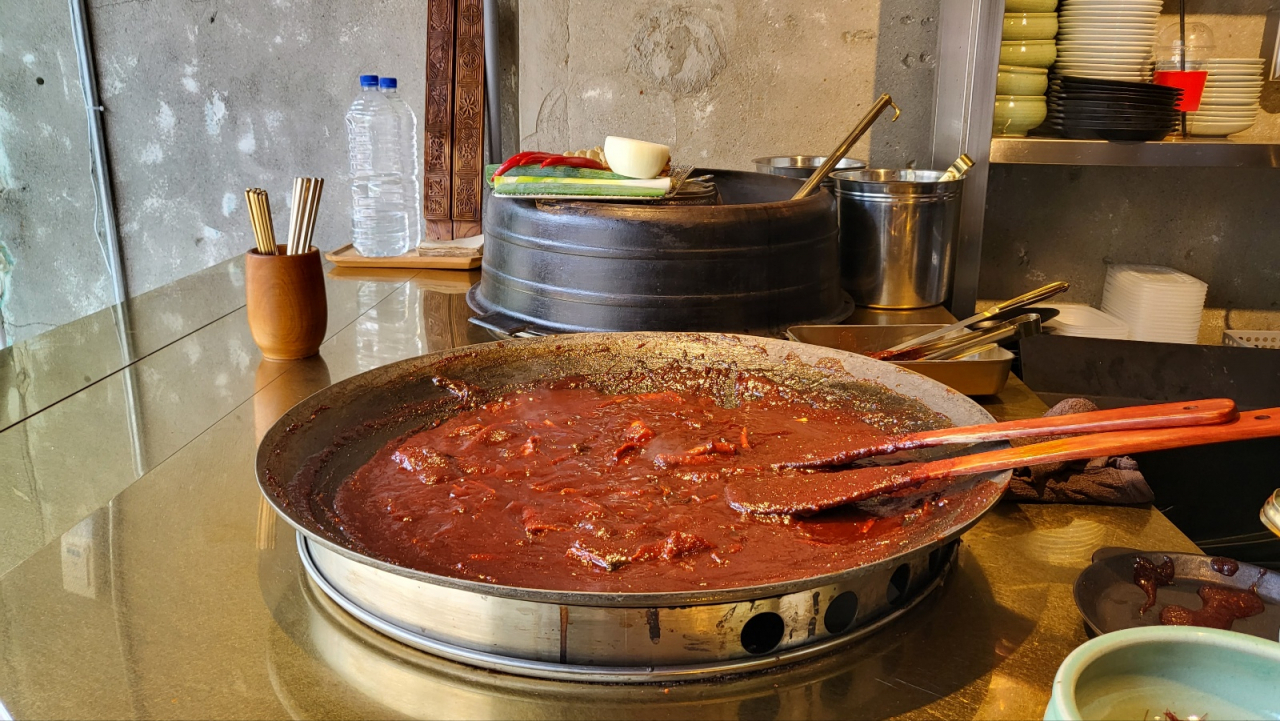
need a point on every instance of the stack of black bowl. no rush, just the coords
(1096, 109)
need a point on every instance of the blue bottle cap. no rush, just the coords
(386, 83)
(368, 81)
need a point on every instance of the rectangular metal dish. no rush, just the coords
(977, 375)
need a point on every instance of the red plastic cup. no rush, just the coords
(1190, 81)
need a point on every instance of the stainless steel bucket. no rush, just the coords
(802, 166)
(897, 236)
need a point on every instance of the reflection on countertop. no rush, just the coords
(143, 575)
(78, 453)
(985, 645)
(40, 371)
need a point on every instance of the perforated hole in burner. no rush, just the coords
(940, 556)
(840, 614)
(896, 593)
(763, 632)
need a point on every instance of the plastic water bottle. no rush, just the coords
(379, 224)
(410, 160)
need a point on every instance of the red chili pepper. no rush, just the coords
(573, 162)
(512, 162)
(528, 157)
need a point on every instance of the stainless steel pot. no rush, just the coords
(897, 236)
(801, 166)
(619, 637)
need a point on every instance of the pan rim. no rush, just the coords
(879, 370)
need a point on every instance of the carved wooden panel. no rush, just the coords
(438, 170)
(468, 112)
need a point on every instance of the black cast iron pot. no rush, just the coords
(757, 263)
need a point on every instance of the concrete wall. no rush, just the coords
(723, 82)
(207, 98)
(47, 197)
(1049, 223)
(203, 99)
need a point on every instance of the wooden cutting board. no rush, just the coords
(347, 257)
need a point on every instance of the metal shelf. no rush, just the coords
(1193, 152)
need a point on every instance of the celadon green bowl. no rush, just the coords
(1016, 114)
(1029, 53)
(1030, 26)
(1030, 6)
(1190, 672)
(1014, 80)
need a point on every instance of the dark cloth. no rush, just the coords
(1113, 480)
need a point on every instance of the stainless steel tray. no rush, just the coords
(977, 375)
(1109, 600)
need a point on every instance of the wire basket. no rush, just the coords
(1252, 338)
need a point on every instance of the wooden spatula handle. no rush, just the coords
(1253, 424)
(1162, 415)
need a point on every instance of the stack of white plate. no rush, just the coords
(1109, 39)
(1076, 319)
(1157, 303)
(1230, 100)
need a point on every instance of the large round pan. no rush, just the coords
(603, 636)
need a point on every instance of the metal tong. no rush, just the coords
(1270, 513)
(1025, 325)
(1021, 301)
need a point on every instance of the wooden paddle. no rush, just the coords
(1163, 415)
(789, 492)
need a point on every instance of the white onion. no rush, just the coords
(635, 158)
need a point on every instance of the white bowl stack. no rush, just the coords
(1107, 39)
(1084, 321)
(1230, 100)
(1158, 304)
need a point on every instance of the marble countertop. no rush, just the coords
(142, 575)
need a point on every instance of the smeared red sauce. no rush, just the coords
(1225, 566)
(572, 489)
(1149, 577)
(1222, 606)
(907, 355)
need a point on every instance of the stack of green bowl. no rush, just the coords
(1027, 49)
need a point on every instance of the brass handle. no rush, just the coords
(1034, 296)
(838, 154)
(1270, 514)
(958, 168)
(963, 344)
(948, 348)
